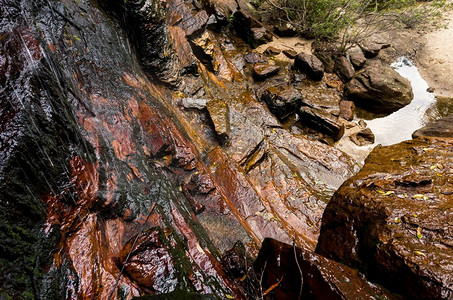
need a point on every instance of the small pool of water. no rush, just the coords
(400, 125)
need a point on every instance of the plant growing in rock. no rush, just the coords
(352, 21)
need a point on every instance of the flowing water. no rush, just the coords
(400, 125)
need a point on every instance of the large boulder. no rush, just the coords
(289, 272)
(310, 65)
(393, 220)
(379, 89)
(439, 128)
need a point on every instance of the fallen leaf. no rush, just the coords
(419, 253)
(418, 196)
(386, 193)
(419, 233)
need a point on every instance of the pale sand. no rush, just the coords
(431, 50)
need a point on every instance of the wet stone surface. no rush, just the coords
(289, 272)
(393, 219)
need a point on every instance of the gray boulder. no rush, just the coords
(310, 65)
(379, 89)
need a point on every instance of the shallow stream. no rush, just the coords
(400, 125)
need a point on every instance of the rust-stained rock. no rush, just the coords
(219, 112)
(149, 261)
(393, 220)
(263, 71)
(289, 272)
(310, 65)
(282, 100)
(321, 121)
(379, 89)
(208, 51)
(363, 137)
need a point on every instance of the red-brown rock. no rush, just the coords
(393, 219)
(289, 272)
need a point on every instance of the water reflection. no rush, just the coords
(400, 125)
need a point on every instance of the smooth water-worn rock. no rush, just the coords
(310, 65)
(393, 220)
(254, 58)
(379, 89)
(289, 272)
(439, 128)
(272, 51)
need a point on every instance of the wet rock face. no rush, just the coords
(379, 89)
(84, 145)
(393, 219)
(155, 51)
(289, 272)
(149, 263)
(89, 144)
(282, 101)
(322, 121)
